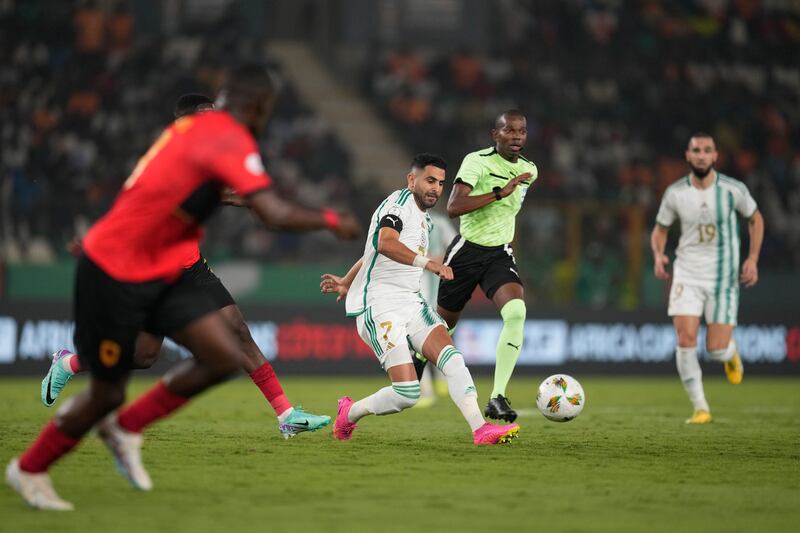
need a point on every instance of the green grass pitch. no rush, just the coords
(628, 463)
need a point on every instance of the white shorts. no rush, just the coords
(393, 332)
(703, 299)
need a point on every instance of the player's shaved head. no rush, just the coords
(250, 80)
(249, 94)
(189, 104)
(504, 117)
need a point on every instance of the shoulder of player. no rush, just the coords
(480, 157)
(678, 185)
(727, 182)
(395, 203)
(530, 166)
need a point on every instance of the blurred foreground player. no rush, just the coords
(706, 275)
(383, 294)
(132, 277)
(291, 420)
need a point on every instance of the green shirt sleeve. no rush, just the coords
(470, 171)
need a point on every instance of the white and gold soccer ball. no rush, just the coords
(560, 398)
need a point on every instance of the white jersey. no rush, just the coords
(708, 250)
(381, 279)
(442, 235)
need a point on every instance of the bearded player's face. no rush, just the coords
(427, 185)
(701, 154)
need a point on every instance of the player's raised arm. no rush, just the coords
(278, 213)
(389, 245)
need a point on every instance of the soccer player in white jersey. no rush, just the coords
(383, 294)
(706, 274)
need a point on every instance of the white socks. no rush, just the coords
(691, 376)
(460, 384)
(724, 355)
(401, 395)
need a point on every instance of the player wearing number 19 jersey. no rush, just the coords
(705, 280)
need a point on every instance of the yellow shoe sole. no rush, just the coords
(700, 417)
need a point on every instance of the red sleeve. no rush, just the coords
(232, 157)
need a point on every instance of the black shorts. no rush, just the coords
(488, 266)
(197, 288)
(109, 314)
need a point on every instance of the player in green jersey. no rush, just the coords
(487, 194)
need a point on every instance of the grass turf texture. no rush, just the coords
(627, 463)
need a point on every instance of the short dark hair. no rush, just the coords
(189, 104)
(700, 135)
(505, 115)
(421, 161)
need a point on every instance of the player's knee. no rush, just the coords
(687, 339)
(514, 311)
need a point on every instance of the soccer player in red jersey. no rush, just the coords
(291, 420)
(132, 277)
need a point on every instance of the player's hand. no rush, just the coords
(513, 184)
(348, 227)
(749, 275)
(443, 271)
(229, 197)
(660, 263)
(75, 247)
(331, 283)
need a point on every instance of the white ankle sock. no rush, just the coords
(691, 376)
(401, 395)
(460, 384)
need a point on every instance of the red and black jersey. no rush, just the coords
(153, 229)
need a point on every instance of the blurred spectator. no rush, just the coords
(82, 96)
(612, 92)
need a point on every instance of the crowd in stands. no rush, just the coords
(612, 91)
(82, 96)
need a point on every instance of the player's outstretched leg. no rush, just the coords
(509, 345)
(463, 393)
(399, 396)
(65, 365)
(291, 420)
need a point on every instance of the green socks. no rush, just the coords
(509, 344)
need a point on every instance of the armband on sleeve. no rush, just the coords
(391, 221)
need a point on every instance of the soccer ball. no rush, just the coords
(560, 398)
